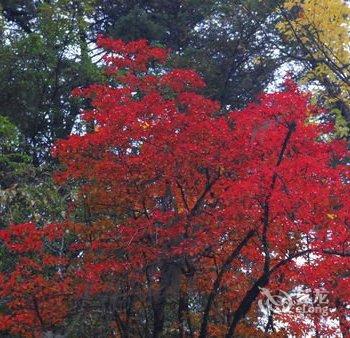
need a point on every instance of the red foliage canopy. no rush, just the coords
(187, 212)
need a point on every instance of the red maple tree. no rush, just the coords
(186, 212)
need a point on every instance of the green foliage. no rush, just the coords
(222, 40)
(341, 125)
(27, 193)
(13, 161)
(39, 68)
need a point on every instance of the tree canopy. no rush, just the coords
(184, 215)
(167, 166)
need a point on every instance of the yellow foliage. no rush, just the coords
(321, 28)
(331, 216)
(328, 20)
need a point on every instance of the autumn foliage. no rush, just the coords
(185, 212)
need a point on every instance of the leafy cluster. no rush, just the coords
(317, 35)
(184, 213)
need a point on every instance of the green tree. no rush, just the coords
(27, 193)
(217, 38)
(43, 55)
